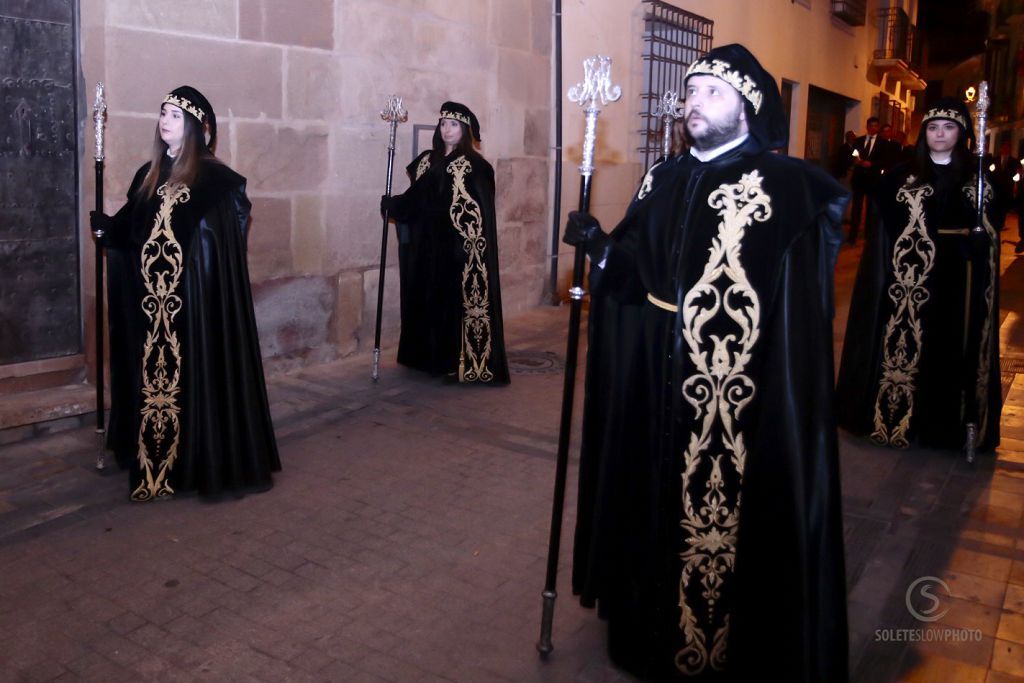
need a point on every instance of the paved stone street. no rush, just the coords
(405, 540)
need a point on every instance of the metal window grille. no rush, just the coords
(898, 36)
(895, 115)
(673, 39)
(853, 12)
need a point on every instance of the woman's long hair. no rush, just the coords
(464, 145)
(186, 164)
(960, 160)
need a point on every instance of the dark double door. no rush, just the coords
(826, 118)
(40, 311)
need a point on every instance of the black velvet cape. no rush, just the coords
(189, 408)
(914, 362)
(448, 266)
(686, 413)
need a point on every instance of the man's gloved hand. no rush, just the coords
(584, 230)
(100, 223)
(385, 204)
(978, 243)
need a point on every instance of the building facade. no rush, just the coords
(298, 89)
(1002, 66)
(837, 61)
(298, 96)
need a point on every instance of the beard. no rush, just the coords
(716, 132)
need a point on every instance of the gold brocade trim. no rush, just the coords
(985, 350)
(913, 257)
(951, 114)
(718, 391)
(455, 115)
(423, 166)
(646, 185)
(161, 355)
(718, 68)
(465, 215)
(664, 305)
(182, 103)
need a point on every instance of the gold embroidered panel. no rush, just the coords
(423, 166)
(462, 118)
(646, 185)
(951, 114)
(475, 351)
(185, 105)
(722, 69)
(721, 325)
(160, 426)
(913, 257)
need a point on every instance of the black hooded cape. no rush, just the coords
(709, 529)
(915, 361)
(189, 408)
(448, 266)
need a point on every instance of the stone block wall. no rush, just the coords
(297, 87)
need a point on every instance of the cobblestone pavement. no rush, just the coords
(405, 540)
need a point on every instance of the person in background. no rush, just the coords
(1005, 171)
(844, 157)
(921, 351)
(448, 258)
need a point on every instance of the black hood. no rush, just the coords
(195, 102)
(735, 65)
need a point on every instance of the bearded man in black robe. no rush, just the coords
(709, 529)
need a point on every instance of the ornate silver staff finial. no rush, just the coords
(982, 110)
(668, 110)
(394, 114)
(980, 144)
(99, 114)
(596, 85)
(393, 110)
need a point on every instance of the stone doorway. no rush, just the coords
(40, 302)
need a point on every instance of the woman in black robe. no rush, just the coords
(189, 405)
(448, 258)
(921, 354)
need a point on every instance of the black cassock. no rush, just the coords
(913, 366)
(448, 264)
(189, 407)
(709, 529)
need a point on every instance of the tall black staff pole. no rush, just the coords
(595, 86)
(394, 114)
(556, 208)
(971, 378)
(99, 112)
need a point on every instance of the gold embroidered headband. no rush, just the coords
(951, 114)
(744, 85)
(455, 115)
(186, 106)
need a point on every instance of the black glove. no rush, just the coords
(101, 224)
(584, 230)
(385, 204)
(978, 244)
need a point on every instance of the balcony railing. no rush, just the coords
(1007, 9)
(853, 12)
(898, 37)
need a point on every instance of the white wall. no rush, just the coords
(804, 45)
